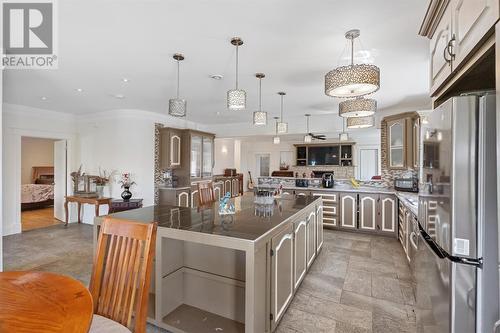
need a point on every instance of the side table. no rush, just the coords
(97, 202)
(120, 205)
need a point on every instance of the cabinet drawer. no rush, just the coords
(327, 197)
(332, 210)
(330, 221)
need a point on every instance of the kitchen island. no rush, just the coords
(232, 273)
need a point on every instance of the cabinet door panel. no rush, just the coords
(282, 286)
(471, 22)
(196, 156)
(194, 197)
(227, 186)
(311, 238)
(207, 157)
(387, 214)
(300, 251)
(368, 211)
(348, 210)
(183, 199)
(175, 150)
(440, 68)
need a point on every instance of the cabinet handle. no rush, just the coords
(449, 47)
(445, 50)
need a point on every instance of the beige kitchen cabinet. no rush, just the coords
(472, 21)
(348, 210)
(311, 238)
(282, 273)
(300, 250)
(170, 148)
(440, 52)
(401, 142)
(386, 222)
(368, 211)
(175, 196)
(235, 187)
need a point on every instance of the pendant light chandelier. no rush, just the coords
(307, 137)
(360, 122)
(344, 136)
(281, 126)
(276, 139)
(236, 98)
(177, 106)
(353, 80)
(260, 117)
(357, 107)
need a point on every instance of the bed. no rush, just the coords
(39, 194)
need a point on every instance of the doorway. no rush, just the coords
(262, 164)
(368, 163)
(43, 182)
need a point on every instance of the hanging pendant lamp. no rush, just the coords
(281, 126)
(236, 98)
(307, 137)
(357, 107)
(276, 139)
(360, 122)
(260, 117)
(353, 80)
(177, 106)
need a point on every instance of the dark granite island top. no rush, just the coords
(249, 222)
(231, 273)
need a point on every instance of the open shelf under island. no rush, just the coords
(236, 272)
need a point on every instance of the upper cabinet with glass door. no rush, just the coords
(402, 140)
(202, 155)
(196, 155)
(396, 143)
(208, 157)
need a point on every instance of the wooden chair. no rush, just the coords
(206, 194)
(121, 276)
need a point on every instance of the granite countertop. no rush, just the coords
(246, 224)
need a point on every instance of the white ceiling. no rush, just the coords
(294, 42)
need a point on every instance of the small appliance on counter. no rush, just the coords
(301, 182)
(409, 184)
(169, 180)
(327, 180)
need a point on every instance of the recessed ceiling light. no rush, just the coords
(119, 96)
(125, 80)
(216, 76)
(79, 89)
(43, 98)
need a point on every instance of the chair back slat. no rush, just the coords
(122, 270)
(205, 193)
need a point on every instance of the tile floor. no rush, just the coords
(358, 283)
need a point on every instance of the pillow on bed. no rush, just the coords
(45, 180)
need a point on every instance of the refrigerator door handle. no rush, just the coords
(471, 302)
(496, 326)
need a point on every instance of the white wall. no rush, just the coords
(19, 121)
(35, 152)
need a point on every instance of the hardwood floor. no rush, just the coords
(38, 218)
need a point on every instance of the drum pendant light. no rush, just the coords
(281, 126)
(357, 107)
(360, 122)
(260, 117)
(353, 80)
(236, 98)
(177, 106)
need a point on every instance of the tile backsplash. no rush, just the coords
(339, 172)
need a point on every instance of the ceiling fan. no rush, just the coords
(310, 136)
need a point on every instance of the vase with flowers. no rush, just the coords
(126, 183)
(101, 181)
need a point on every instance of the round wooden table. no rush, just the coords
(43, 302)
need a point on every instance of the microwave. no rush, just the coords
(406, 184)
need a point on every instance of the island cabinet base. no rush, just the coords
(208, 282)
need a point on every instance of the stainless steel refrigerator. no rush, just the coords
(456, 263)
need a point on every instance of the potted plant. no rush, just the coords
(126, 183)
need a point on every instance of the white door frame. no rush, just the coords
(15, 164)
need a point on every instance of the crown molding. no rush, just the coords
(433, 15)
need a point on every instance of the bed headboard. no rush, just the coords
(39, 172)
